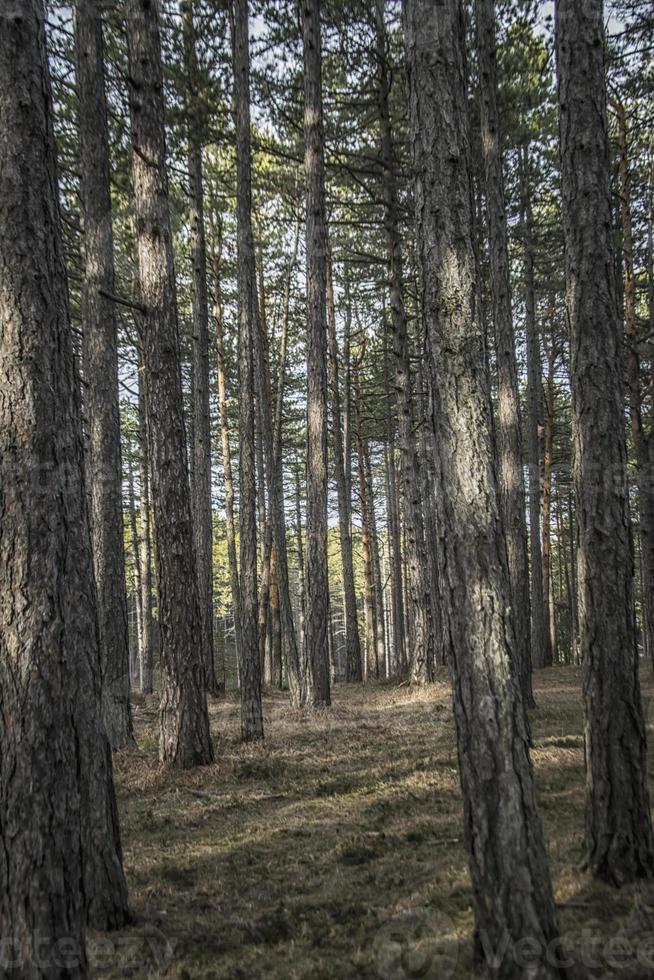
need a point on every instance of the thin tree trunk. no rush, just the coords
(512, 893)
(147, 631)
(100, 361)
(61, 862)
(136, 559)
(201, 445)
(317, 585)
(300, 569)
(251, 712)
(508, 393)
(228, 479)
(380, 636)
(541, 651)
(619, 840)
(184, 731)
(419, 635)
(546, 504)
(353, 667)
(395, 549)
(371, 666)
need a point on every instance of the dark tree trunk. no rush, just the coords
(419, 650)
(546, 504)
(147, 626)
(101, 372)
(201, 446)
(508, 393)
(250, 663)
(317, 586)
(619, 841)
(512, 894)
(541, 651)
(184, 734)
(353, 666)
(57, 804)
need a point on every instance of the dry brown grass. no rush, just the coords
(289, 859)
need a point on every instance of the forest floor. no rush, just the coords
(334, 849)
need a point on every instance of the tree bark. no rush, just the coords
(619, 840)
(420, 652)
(57, 803)
(184, 720)
(508, 393)
(353, 666)
(201, 445)
(147, 627)
(378, 593)
(512, 893)
(317, 586)
(546, 504)
(100, 364)
(250, 663)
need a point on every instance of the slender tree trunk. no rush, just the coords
(60, 863)
(317, 586)
(508, 393)
(101, 373)
(147, 630)
(638, 435)
(541, 651)
(420, 654)
(228, 479)
(201, 451)
(512, 893)
(184, 734)
(353, 668)
(619, 840)
(251, 712)
(301, 572)
(398, 663)
(380, 636)
(546, 503)
(138, 577)
(371, 666)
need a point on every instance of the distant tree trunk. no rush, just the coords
(541, 650)
(419, 635)
(317, 586)
(371, 666)
(301, 572)
(276, 624)
(184, 735)
(380, 636)
(512, 894)
(546, 504)
(147, 631)
(61, 861)
(250, 663)
(508, 392)
(638, 435)
(353, 667)
(136, 560)
(201, 448)
(398, 661)
(228, 479)
(101, 373)
(619, 840)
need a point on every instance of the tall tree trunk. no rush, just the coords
(250, 663)
(541, 650)
(136, 561)
(61, 859)
(546, 503)
(638, 435)
(147, 629)
(619, 840)
(184, 733)
(380, 635)
(419, 651)
(353, 667)
(101, 372)
(317, 585)
(508, 393)
(228, 479)
(201, 446)
(301, 572)
(398, 661)
(512, 893)
(371, 665)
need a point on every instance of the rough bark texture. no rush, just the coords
(420, 651)
(512, 894)
(353, 666)
(250, 663)
(201, 448)
(508, 393)
(317, 586)
(184, 731)
(619, 840)
(104, 472)
(541, 651)
(546, 503)
(60, 862)
(145, 549)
